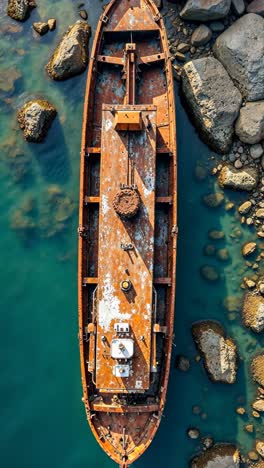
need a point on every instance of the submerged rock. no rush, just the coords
(20, 9)
(219, 352)
(182, 363)
(35, 119)
(232, 303)
(250, 123)
(209, 273)
(253, 312)
(218, 456)
(213, 100)
(257, 369)
(8, 79)
(215, 234)
(241, 50)
(200, 10)
(238, 179)
(71, 56)
(213, 200)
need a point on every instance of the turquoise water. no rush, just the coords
(43, 420)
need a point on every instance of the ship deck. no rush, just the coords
(128, 229)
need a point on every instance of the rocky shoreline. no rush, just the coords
(218, 64)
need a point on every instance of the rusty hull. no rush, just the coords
(128, 147)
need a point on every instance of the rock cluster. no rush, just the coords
(35, 119)
(253, 312)
(20, 9)
(71, 56)
(213, 100)
(219, 352)
(218, 456)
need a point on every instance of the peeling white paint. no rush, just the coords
(108, 308)
(105, 206)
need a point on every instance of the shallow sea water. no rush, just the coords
(43, 420)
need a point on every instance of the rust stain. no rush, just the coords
(127, 229)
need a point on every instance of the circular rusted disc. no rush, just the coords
(126, 203)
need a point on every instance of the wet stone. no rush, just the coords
(215, 234)
(201, 35)
(257, 369)
(249, 248)
(249, 428)
(41, 28)
(260, 447)
(223, 254)
(253, 456)
(193, 433)
(83, 14)
(52, 24)
(245, 207)
(256, 151)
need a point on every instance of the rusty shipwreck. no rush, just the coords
(127, 229)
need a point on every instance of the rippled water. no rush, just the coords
(43, 420)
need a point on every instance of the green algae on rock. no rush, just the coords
(71, 55)
(35, 119)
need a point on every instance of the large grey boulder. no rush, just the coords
(219, 352)
(250, 124)
(205, 10)
(257, 6)
(213, 100)
(253, 312)
(241, 50)
(35, 119)
(218, 456)
(20, 9)
(238, 179)
(71, 56)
